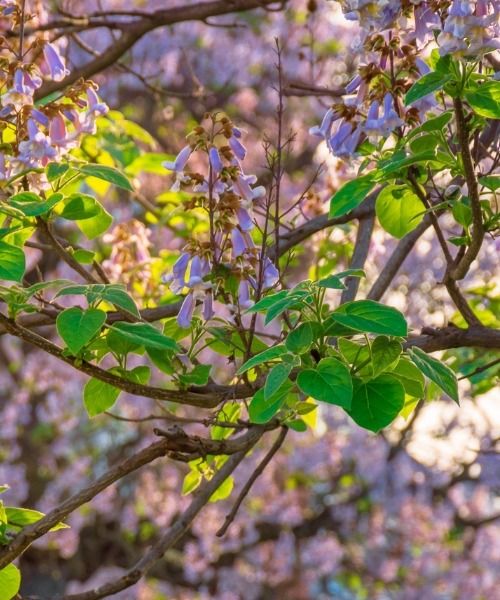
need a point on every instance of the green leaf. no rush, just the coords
(224, 490)
(261, 410)
(462, 213)
(32, 205)
(80, 207)
(351, 194)
(191, 481)
(21, 517)
(293, 300)
(10, 581)
(425, 85)
(335, 282)
(330, 382)
(385, 352)
(145, 335)
(297, 425)
(266, 302)
(116, 295)
(436, 371)
(371, 317)
(400, 163)
(113, 293)
(109, 174)
(300, 339)
(399, 210)
(12, 262)
(485, 100)
(492, 182)
(56, 170)
(276, 378)
(198, 376)
(377, 402)
(84, 257)
(97, 225)
(140, 374)
(78, 327)
(262, 357)
(99, 396)
(411, 377)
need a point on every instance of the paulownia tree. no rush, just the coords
(418, 124)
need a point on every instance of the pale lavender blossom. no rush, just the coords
(55, 62)
(37, 149)
(215, 160)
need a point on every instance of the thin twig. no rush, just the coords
(248, 485)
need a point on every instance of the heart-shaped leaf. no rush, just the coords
(330, 382)
(77, 327)
(377, 402)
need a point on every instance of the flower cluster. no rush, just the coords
(227, 194)
(34, 134)
(392, 32)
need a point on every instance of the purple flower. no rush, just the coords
(372, 124)
(37, 150)
(324, 130)
(237, 147)
(238, 243)
(244, 219)
(59, 134)
(3, 169)
(22, 90)
(244, 295)
(40, 117)
(271, 275)
(215, 160)
(208, 309)
(186, 312)
(178, 276)
(55, 63)
(180, 160)
(391, 119)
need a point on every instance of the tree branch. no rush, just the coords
(171, 536)
(174, 441)
(133, 32)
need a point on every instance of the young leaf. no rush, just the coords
(10, 581)
(427, 84)
(94, 226)
(81, 207)
(32, 205)
(410, 376)
(77, 327)
(334, 282)
(385, 352)
(145, 335)
(21, 517)
(300, 339)
(351, 194)
(485, 100)
(436, 371)
(330, 382)
(109, 174)
(377, 402)
(261, 410)
(276, 378)
(399, 210)
(12, 262)
(223, 491)
(262, 357)
(198, 376)
(266, 302)
(99, 396)
(371, 317)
